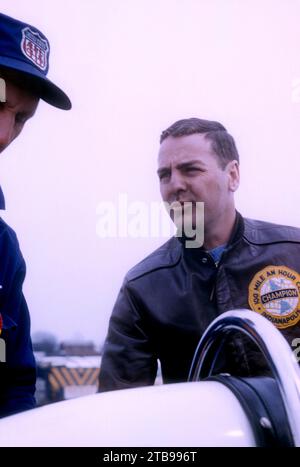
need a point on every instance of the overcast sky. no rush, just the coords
(131, 68)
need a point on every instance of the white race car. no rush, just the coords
(209, 410)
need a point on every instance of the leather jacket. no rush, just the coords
(167, 301)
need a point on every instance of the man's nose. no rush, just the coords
(177, 183)
(6, 130)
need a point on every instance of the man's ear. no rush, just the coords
(233, 171)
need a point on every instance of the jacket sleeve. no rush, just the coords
(129, 359)
(18, 370)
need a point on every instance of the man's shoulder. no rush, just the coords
(262, 232)
(165, 256)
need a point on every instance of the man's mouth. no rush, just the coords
(182, 202)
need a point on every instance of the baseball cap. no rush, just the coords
(25, 49)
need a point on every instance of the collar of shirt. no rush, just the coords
(216, 253)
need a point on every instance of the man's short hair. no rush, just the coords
(222, 143)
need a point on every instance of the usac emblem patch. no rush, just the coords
(274, 292)
(35, 48)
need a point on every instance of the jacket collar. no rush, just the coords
(264, 233)
(236, 234)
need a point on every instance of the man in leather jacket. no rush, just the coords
(168, 300)
(24, 62)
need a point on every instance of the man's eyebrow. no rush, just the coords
(191, 162)
(182, 165)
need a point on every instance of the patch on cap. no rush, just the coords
(35, 48)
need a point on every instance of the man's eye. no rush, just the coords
(192, 169)
(163, 175)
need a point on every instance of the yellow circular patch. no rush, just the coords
(274, 292)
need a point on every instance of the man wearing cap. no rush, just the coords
(24, 63)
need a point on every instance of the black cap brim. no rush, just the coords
(45, 89)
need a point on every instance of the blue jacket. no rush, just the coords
(18, 371)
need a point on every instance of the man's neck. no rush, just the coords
(219, 234)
